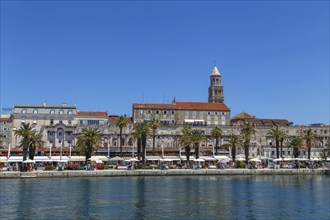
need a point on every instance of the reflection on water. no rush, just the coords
(179, 197)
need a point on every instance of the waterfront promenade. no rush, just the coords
(156, 172)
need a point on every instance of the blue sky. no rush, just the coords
(106, 55)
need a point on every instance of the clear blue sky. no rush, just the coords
(106, 55)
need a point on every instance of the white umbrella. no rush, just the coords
(116, 159)
(134, 159)
(255, 160)
(240, 159)
(199, 160)
(28, 161)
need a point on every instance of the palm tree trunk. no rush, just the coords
(246, 151)
(120, 141)
(277, 148)
(153, 145)
(144, 143)
(24, 158)
(216, 145)
(309, 152)
(31, 152)
(139, 141)
(187, 152)
(233, 153)
(197, 150)
(281, 148)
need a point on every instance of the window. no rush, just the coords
(4, 136)
(70, 112)
(222, 113)
(23, 111)
(51, 133)
(52, 112)
(173, 112)
(208, 122)
(61, 112)
(165, 112)
(186, 112)
(35, 111)
(60, 133)
(69, 122)
(50, 141)
(5, 129)
(216, 122)
(61, 122)
(149, 112)
(194, 113)
(157, 112)
(289, 152)
(60, 141)
(215, 113)
(69, 142)
(51, 121)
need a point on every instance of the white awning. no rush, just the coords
(153, 158)
(77, 158)
(189, 120)
(199, 120)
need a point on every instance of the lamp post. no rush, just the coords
(108, 148)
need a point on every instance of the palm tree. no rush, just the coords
(282, 137)
(154, 125)
(246, 132)
(295, 143)
(186, 141)
(34, 142)
(121, 123)
(30, 139)
(197, 137)
(234, 140)
(276, 133)
(310, 139)
(216, 133)
(89, 138)
(142, 131)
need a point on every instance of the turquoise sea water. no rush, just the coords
(167, 197)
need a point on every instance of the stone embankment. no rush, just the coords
(175, 172)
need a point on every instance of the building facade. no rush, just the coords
(212, 113)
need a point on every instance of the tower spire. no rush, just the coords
(216, 87)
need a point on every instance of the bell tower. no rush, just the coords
(216, 87)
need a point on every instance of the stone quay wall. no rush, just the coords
(176, 172)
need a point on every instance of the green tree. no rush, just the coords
(296, 144)
(216, 133)
(234, 140)
(246, 134)
(283, 136)
(142, 131)
(197, 137)
(30, 139)
(275, 132)
(310, 139)
(154, 125)
(88, 139)
(121, 123)
(186, 140)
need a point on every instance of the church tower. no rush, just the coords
(216, 87)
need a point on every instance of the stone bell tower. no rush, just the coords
(216, 87)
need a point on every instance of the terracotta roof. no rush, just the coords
(113, 118)
(93, 114)
(242, 115)
(5, 120)
(184, 106)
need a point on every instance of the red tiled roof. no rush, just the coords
(94, 114)
(242, 115)
(5, 119)
(184, 106)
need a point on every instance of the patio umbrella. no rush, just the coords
(255, 160)
(199, 160)
(28, 161)
(117, 159)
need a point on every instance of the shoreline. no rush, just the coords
(174, 172)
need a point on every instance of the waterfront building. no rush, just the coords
(244, 117)
(54, 122)
(212, 113)
(6, 124)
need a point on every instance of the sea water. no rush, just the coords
(167, 197)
